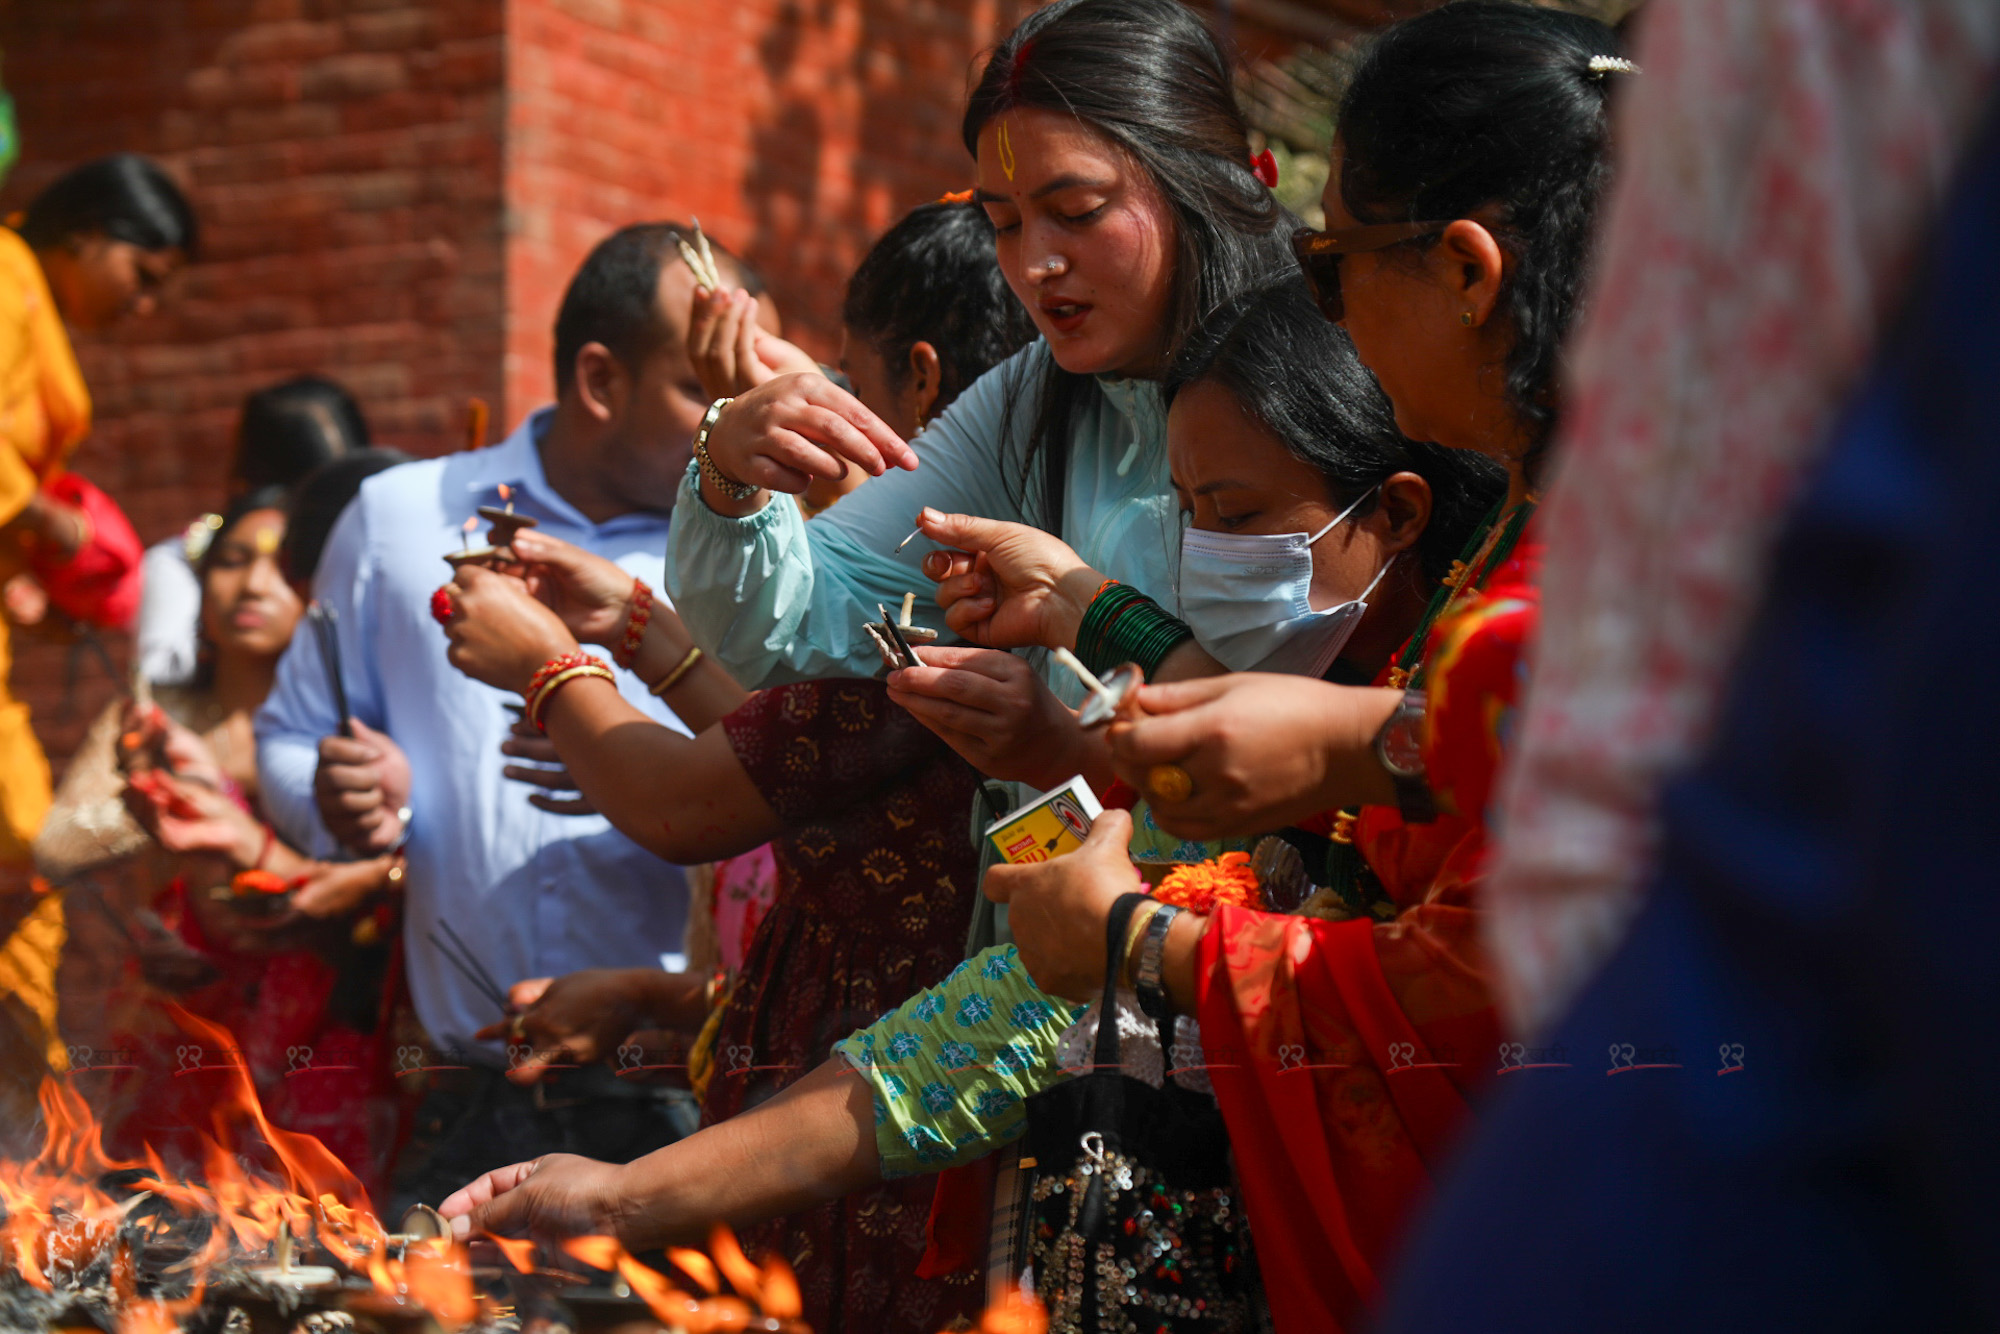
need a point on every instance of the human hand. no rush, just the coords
(149, 739)
(548, 771)
(580, 1019)
(500, 633)
(336, 889)
(555, 1196)
(992, 709)
(1007, 585)
(730, 353)
(592, 595)
(25, 600)
(1261, 751)
(1057, 909)
(362, 788)
(793, 428)
(189, 817)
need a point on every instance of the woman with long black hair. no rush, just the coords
(1114, 164)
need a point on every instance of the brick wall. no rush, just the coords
(344, 158)
(795, 131)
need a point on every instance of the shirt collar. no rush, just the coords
(517, 461)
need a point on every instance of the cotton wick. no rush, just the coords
(1082, 673)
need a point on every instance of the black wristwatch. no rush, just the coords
(1400, 748)
(1146, 977)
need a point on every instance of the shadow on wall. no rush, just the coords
(910, 65)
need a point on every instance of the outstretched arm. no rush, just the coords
(686, 799)
(815, 1141)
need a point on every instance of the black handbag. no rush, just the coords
(1134, 1225)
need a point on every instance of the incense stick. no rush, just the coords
(472, 958)
(1081, 672)
(324, 624)
(465, 969)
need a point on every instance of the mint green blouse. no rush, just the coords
(776, 600)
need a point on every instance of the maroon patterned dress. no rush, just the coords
(876, 878)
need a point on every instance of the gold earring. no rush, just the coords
(1466, 319)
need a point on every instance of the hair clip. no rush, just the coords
(1265, 168)
(955, 197)
(1603, 65)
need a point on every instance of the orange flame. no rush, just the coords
(667, 1302)
(520, 1252)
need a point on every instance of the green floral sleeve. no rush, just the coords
(951, 1066)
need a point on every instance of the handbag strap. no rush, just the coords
(1104, 1057)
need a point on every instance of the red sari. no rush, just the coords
(1343, 1054)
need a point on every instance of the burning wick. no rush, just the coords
(287, 1274)
(1082, 673)
(465, 533)
(911, 538)
(507, 495)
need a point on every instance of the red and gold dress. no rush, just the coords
(876, 879)
(1343, 1054)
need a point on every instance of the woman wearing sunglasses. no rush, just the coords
(1457, 238)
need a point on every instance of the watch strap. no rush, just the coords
(1152, 958)
(721, 481)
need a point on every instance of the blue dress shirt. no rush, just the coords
(531, 892)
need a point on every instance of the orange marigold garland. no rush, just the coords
(1226, 881)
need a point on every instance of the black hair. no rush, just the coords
(1482, 105)
(290, 428)
(1148, 75)
(932, 278)
(613, 298)
(124, 196)
(1297, 375)
(248, 502)
(317, 502)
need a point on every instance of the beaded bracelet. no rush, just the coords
(635, 624)
(562, 662)
(1121, 624)
(541, 699)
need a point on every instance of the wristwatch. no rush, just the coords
(1146, 978)
(1400, 748)
(731, 489)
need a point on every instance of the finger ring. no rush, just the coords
(442, 609)
(1170, 783)
(518, 1027)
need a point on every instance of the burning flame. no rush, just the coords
(60, 1219)
(772, 1289)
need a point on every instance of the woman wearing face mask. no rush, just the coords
(1251, 451)
(164, 801)
(1471, 157)
(93, 248)
(1113, 161)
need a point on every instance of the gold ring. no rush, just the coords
(1170, 783)
(518, 1028)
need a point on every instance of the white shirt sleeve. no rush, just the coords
(169, 614)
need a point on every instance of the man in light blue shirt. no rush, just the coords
(531, 892)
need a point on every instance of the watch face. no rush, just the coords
(1402, 752)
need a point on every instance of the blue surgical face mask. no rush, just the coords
(1247, 598)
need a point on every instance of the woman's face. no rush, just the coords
(1407, 312)
(97, 281)
(1085, 239)
(246, 605)
(1234, 476)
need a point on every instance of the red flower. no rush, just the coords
(1265, 168)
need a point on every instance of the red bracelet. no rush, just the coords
(562, 662)
(635, 624)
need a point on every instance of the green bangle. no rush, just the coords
(1124, 625)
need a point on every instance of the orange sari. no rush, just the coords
(1344, 1054)
(44, 414)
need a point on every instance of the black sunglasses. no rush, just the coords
(1319, 254)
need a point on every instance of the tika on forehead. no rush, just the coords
(1005, 148)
